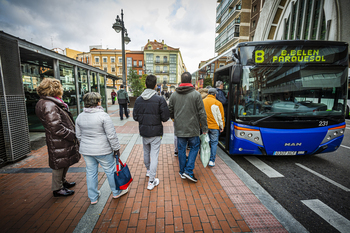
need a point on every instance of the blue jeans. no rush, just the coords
(193, 143)
(214, 140)
(108, 164)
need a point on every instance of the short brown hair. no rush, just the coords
(50, 87)
(91, 99)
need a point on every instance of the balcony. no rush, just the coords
(161, 63)
(233, 13)
(162, 72)
(233, 36)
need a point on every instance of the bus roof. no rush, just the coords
(293, 42)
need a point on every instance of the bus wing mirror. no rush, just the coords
(236, 74)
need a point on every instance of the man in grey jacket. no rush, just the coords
(187, 109)
(123, 100)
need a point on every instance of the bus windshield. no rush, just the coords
(292, 91)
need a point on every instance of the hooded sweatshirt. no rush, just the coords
(150, 110)
(187, 109)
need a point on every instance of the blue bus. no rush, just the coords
(285, 97)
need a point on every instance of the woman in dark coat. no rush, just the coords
(62, 145)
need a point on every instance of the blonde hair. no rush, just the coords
(50, 87)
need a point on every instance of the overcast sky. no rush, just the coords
(77, 24)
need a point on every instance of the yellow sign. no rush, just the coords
(293, 56)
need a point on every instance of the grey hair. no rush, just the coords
(218, 83)
(91, 99)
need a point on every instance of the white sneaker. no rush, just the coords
(122, 193)
(175, 154)
(182, 176)
(147, 173)
(151, 186)
(211, 163)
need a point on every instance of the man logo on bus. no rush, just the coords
(292, 144)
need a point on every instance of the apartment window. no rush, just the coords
(165, 68)
(120, 60)
(97, 59)
(172, 58)
(173, 69)
(149, 57)
(140, 63)
(157, 59)
(87, 60)
(105, 68)
(135, 63)
(149, 47)
(104, 59)
(172, 78)
(165, 48)
(157, 69)
(140, 72)
(254, 8)
(112, 59)
(165, 59)
(254, 24)
(113, 69)
(82, 59)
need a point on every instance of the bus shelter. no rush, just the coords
(23, 65)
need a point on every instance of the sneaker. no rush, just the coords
(153, 184)
(175, 153)
(190, 177)
(182, 176)
(211, 163)
(95, 202)
(122, 193)
(147, 173)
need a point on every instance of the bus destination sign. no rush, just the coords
(291, 56)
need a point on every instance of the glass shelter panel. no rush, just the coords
(93, 82)
(32, 75)
(83, 86)
(103, 92)
(69, 91)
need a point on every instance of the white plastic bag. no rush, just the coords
(205, 149)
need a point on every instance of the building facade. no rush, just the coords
(304, 20)
(165, 62)
(254, 17)
(135, 61)
(233, 22)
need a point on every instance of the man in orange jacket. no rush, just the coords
(216, 122)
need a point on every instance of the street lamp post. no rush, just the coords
(119, 26)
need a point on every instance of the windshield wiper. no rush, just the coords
(262, 119)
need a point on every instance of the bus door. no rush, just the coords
(223, 74)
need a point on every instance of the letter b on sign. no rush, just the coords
(259, 56)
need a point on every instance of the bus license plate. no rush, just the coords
(285, 153)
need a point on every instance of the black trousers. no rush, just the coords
(125, 107)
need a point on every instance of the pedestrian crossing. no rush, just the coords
(328, 214)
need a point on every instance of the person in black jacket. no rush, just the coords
(150, 110)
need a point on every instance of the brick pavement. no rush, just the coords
(218, 202)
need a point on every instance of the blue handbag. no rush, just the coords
(122, 176)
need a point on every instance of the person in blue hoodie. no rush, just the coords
(150, 110)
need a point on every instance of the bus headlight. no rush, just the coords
(249, 134)
(334, 133)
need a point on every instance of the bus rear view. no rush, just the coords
(286, 97)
